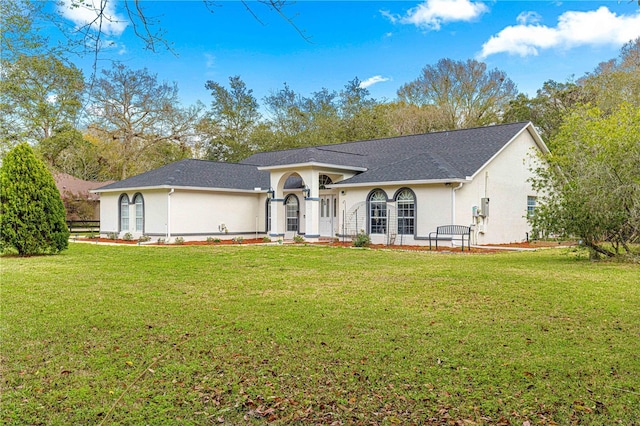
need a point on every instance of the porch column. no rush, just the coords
(312, 210)
(312, 225)
(276, 210)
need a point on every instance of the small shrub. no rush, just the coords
(237, 240)
(127, 236)
(361, 240)
(217, 240)
(178, 241)
(144, 238)
(210, 240)
(112, 235)
(266, 239)
(298, 239)
(161, 240)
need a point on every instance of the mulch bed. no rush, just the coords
(249, 241)
(186, 243)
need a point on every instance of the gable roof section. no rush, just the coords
(196, 174)
(448, 155)
(325, 154)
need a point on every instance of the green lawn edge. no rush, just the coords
(307, 334)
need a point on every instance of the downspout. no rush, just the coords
(171, 191)
(453, 202)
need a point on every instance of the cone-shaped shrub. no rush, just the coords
(32, 215)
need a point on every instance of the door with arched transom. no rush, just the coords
(292, 216)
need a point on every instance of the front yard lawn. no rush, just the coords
(320, 335)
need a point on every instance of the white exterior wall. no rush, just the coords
(155, 212)
(505, 182)
(194, 215)
(199, 213)
(433, 208)
(109, 212)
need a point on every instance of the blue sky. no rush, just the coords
(383, 43)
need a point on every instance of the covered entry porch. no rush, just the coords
(301, 203)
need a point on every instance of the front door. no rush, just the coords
(292, 216)
(328, 215)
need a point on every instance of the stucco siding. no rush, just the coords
(505, 182)
(108, 212)
(432, 208)
(204, 213)
(154, 219)
(155, 212)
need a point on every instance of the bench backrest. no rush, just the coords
(453, 230)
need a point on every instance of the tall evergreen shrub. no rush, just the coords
(32, 215)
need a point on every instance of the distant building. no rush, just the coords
(80, 203)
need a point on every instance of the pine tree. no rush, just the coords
(32, 215)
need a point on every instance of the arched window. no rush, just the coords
(292, 212)
(124, 213)
(324, 181)
(139, 202)
(406, 208)
(378, 212)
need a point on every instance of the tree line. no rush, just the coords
(127, 121)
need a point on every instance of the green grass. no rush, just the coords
(286, 334)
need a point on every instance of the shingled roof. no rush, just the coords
(78, 187)
(197, 174)
(448, 155)
(452, 155)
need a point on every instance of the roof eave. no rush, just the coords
(312, 164)
(532, 132)
(400, 183)
(186, 188)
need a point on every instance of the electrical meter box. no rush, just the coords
(484, 206)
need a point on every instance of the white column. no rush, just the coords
(277, 210)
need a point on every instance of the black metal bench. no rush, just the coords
(451, 233)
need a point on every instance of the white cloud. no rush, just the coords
(528, 18)
(390, 16)
(373, 80)
(122, 49)
(85, 13)
(210, 60)
(431, 14)
(598, 27)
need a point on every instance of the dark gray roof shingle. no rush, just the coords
(452, 154)
(199, 174)
(432, 156)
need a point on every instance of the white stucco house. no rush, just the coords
(397, 190)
